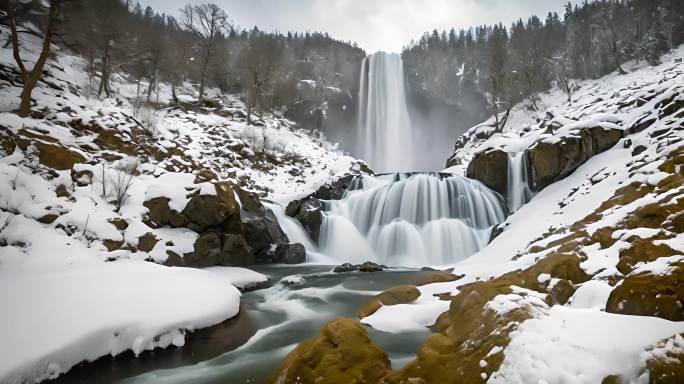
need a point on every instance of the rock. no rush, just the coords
(341, 352)
(112, 245)
(290, 253)
(292, 208)
(310, 215)
(551, 162)
(560, 293)
(648, 294)
(57, 157)
(490, 168)
(206, 253)
(119, 223)
(173, 259)
(49, 218)
(259, 226)
(638, 150)
(438, 277)
(210, 211)
(334, 190)
(146, 242)
(402, 294)
(346, 267)
(370, 266)
(160, 214)
(62, 191)
(235, 251)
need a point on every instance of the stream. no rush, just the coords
(271, 323)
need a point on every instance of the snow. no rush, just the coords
(592, 294)
(239, 277)
(55, 317)
(580, 346)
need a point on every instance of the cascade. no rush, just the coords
(384, 136)
(518, 191)
(410, 220)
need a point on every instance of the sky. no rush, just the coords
(376, 25)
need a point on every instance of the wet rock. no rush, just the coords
(402, 294)
(341, 352)
(310, 215)
(370, 266)
(259, 227)
(346, 267)
(334, 190)
(638, 150)
(290, 253)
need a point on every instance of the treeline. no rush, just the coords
(494, 67)
(272, 70)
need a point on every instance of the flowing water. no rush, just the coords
(384, 138)
(274, 320)
(410, 220)
(519, 192)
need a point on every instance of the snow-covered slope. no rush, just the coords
(81, 278)
(584, 281)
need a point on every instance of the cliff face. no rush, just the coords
(590, 269)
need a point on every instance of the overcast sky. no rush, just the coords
(375, 25)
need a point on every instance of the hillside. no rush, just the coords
(83, 181)
(582, 283)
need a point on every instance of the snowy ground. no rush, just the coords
(579, 342)
(64, 296)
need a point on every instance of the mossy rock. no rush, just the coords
(647, 294)
(341, 352)
(438, 277)
(402, 294)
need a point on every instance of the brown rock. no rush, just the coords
(341, 352)
(438, 277)
(112, 245)
(48, 219)
(119, 223)
(146, 242)
(402, 294)
(57, 157)
(491, 168)
(62, 191)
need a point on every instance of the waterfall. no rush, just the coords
(384, 137)
(410, 220)
(518, 192)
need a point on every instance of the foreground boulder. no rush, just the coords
(341, 352)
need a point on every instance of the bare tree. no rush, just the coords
(259, 62)
(121, 182)
(207, 22)
(30, 78)
(606, 26)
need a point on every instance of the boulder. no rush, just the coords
(160, 214)
(335, 190)
(290, 253)
(210, 211)
(402, 294)
(646, 294)
(207, 252)
(346, 267)
(235, 250)
(341, 352)
(370, 266)
(259, 226)
(490, 168)
(58, 157)
(146, 242)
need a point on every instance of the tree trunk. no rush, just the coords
(30, 79)
(173, 92)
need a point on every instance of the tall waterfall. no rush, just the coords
(410, 220)
(384, 137)
(518, 192)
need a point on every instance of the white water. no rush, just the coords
(410, 220)
(384, 137)
(519, 192)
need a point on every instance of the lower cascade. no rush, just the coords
(410, 220)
